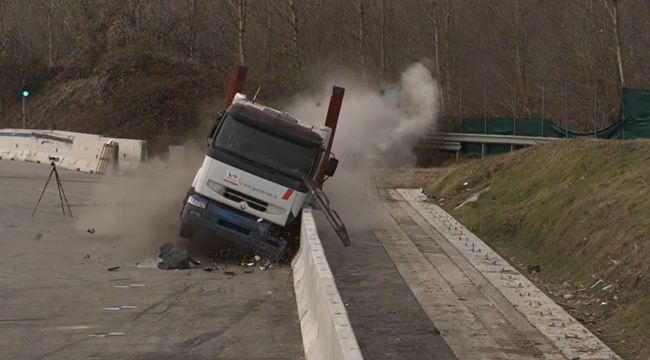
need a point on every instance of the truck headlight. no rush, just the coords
(215, 187)
(197, 202)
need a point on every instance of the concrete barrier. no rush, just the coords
(76, 151)
(15, 145)
(324, 323)
(131, 153)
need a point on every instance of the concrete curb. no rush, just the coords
(324, 323)
(568, 335)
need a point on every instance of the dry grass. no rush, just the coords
(408, 177)
(579, 209)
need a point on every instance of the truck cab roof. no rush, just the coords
(278, 123)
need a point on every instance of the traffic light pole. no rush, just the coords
(24, 110)
(25, 93)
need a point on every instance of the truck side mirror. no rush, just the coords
(330, 168)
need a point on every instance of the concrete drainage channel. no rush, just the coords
(326, 329)
(572, 339)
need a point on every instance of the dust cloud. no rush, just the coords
(139, 211)
(377, 128)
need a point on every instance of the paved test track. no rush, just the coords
(57, 304)
(410, 295)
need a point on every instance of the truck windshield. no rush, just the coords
(265, 149)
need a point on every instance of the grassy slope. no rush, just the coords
(580, 210)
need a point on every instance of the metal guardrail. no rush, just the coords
(427, 144)
(453, 141)
(487, 139)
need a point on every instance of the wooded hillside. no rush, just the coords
(123, 60)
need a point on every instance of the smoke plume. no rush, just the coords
(376, 128)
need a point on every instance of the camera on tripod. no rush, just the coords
(53, 159)
(59, 185)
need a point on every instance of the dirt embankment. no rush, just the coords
(577, 208)
(131, 93)
(128, 93)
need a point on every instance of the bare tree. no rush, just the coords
(443, 17)
(589, 46)
(382, 46)
(3, 15)
(49, 9)
(360, 35)
(295, 16)
(236, 10)
(264, 16)
(192, 28)
(516, 24)
(614, 13)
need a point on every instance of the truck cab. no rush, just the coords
(249, 192)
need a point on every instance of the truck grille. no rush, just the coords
(254, 203)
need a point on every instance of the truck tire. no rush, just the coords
(186, 231)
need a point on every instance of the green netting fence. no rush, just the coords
(633, 123)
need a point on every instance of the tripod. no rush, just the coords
(62, 196)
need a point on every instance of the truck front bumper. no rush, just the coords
(234, 228)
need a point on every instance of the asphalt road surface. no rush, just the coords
(387, 319)
(59, 301)
(409, 295)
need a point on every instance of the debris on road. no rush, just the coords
(107, 334)
(534, 269)
(173, 258)
(90, 231)
(600, 281)
(211, 268)
(123, 307)
(113, 268)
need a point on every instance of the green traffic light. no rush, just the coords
(25, 93)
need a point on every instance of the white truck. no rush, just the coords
(262, 166)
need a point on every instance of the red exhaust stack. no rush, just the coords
(237, 83)
(331, 120)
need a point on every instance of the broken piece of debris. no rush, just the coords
(113, 268)
(211, 268)
(173, 258)
(533, 269)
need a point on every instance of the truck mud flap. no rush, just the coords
(332, 216)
